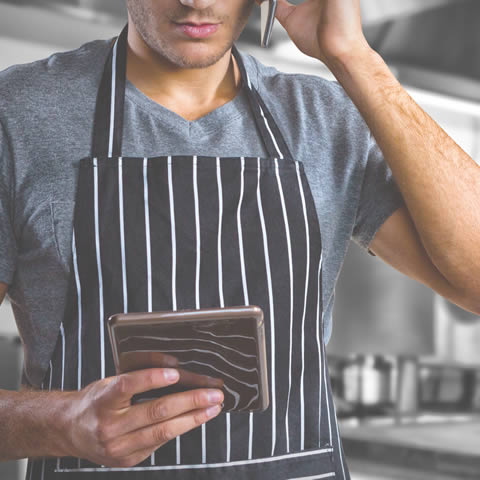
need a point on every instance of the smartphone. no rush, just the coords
(210, 347)
(267, 15)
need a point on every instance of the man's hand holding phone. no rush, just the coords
(324, 29)
(105, 428)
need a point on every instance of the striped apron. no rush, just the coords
(178, 232)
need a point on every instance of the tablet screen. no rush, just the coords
(219, 353)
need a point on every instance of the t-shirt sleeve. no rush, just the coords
(379, 198)
(8, 247)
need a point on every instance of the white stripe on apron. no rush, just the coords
(122, 234)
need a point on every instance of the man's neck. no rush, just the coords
(191, 93)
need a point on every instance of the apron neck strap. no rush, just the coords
(273, 139)
(108, 126)
(109, 111)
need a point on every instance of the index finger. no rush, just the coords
(191, 379)
(122, 388)
(139, 360)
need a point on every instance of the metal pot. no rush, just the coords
(367, 380)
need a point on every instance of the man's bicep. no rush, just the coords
(379, 197)
(397, 243)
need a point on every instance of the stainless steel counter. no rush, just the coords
(430, 447)
(364, 470)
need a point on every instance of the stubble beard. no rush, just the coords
(154, 40)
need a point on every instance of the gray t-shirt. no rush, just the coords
(46, 119)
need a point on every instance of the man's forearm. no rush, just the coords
(438, 180)
(31, 424)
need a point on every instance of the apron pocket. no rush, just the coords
(309, 464)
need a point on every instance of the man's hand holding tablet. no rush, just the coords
(104, 427)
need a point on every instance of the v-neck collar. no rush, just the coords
(223, 115)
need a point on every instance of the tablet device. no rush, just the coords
(210, 347)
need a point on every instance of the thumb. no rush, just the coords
(284, 9)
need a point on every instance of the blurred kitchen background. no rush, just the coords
(404, 361)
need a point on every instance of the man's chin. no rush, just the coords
(196, 56)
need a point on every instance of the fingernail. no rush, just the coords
(170, 374)
(212, 411)
(214, 396)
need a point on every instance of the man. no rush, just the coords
(186, 96)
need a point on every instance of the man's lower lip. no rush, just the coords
(198, 31)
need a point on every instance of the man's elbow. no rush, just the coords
(469, 300)
(3, 291)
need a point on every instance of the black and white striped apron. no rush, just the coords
(177, 232)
